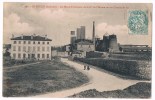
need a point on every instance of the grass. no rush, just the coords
(12, 62)
(48, 76)
(139, 90)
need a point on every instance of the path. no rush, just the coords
(99, 80)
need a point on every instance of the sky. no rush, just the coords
(56, 20)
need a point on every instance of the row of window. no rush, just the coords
(30, 56)
(29, 42)
(85, 46)
(29, 48)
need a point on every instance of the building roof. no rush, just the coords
(35, 38)
(76, 52)
(84, 43)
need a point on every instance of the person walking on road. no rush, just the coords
(88, 68)
(84, 67)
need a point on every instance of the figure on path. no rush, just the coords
(88, 68)
(84, 67)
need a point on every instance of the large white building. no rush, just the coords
(31, 47)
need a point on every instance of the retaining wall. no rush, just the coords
(138, 69)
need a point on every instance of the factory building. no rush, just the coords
(108, 44)
(135, 48)
(78, 33)
(73, 37)
(82, 32)
(82, 47)
(105, 43)
(85, 46)
(113, 45)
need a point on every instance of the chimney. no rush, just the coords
(31, 37)
(34, 34)
(93, 36)
(22, 36)
(45, 36)
(72, 33)
(12, 35)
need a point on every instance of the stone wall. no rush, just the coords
(138, 69)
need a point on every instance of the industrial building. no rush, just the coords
(108, 44)
(96, 47)
(135, 48)
(113, 45)
(78, 33)
(80, 45)
(81, 32)
(85, 46)
(73, 37)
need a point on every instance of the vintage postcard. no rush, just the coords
(77, 50)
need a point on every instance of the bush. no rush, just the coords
(139, 90)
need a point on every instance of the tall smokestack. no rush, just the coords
(93, 36)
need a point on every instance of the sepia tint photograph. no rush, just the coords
(77, 50)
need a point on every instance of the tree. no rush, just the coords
(7, 54)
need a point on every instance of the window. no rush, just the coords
(19, 48)
(43, 56)
(33, 56)
(89, 46)
(29, 56)
(38, 55)
(43, 42)
(14, 42)
(24, 48)
(19, 55)
(24, 42)
(38, 48)
(34, 48)
(47, 42)
(14, 56)
(29, 42)
(43, 48)
(24, 55)
(33, 42)
(14, 48)
(38, 42)
(19, 42)
(47, 55)
(29, 48)
(48, 49)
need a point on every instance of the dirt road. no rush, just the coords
(99, 80)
